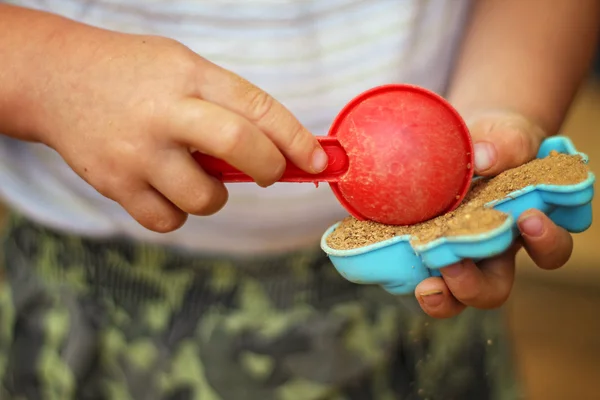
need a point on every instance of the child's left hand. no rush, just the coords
(502, 141)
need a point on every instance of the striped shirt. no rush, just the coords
(312, 55)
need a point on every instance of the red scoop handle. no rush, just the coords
(336, 166)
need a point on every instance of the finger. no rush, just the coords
(181, 180)
(152, 210)
(228, 90)
(483, 286)
(502, 141)
(436, 299)
(548, 245)
(218, 132)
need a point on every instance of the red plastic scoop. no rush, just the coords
(398, 155)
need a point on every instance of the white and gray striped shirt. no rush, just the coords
(312, 55)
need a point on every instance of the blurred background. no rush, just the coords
(555, 316)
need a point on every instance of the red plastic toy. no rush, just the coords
(398, 155)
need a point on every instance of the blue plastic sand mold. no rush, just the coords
(398, 267)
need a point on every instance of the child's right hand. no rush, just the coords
(125, 110)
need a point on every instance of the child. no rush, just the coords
(124, 276)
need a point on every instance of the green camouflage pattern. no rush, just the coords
(108, 319)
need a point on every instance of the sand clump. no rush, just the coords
(471, 217)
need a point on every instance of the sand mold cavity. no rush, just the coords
(472, 216)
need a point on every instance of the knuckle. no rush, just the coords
(565, 254)
(206, 202)
(545, 254)
(186, 66)
(182, 58)
(470, 296)
(108, 185)
(495, 301)
(232, 137)
(259, 104)
(151, 113)
(524, 142)
(269, 178)
(552, 264)
(165, 222)
(524, 135)
(554, 258)
(157, 217)
(104, 188)
(124, 153)
(469, 292)
(552, 244)
(200, 204)
(296, 138)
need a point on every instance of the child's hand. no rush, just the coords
(502, 141)
(124, 112)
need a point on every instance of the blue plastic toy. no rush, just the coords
(399, 267)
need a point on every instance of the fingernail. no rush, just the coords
(485, 156)
(532, 226)
(453, 270)
(319, 160)
(432, 298)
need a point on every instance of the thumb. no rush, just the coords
(503, 140)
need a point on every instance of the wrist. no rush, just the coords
(38, 50)
(473, 110)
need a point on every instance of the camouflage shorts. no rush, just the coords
(95, 320)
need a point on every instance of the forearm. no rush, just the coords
(526, 56)
(34, 51)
